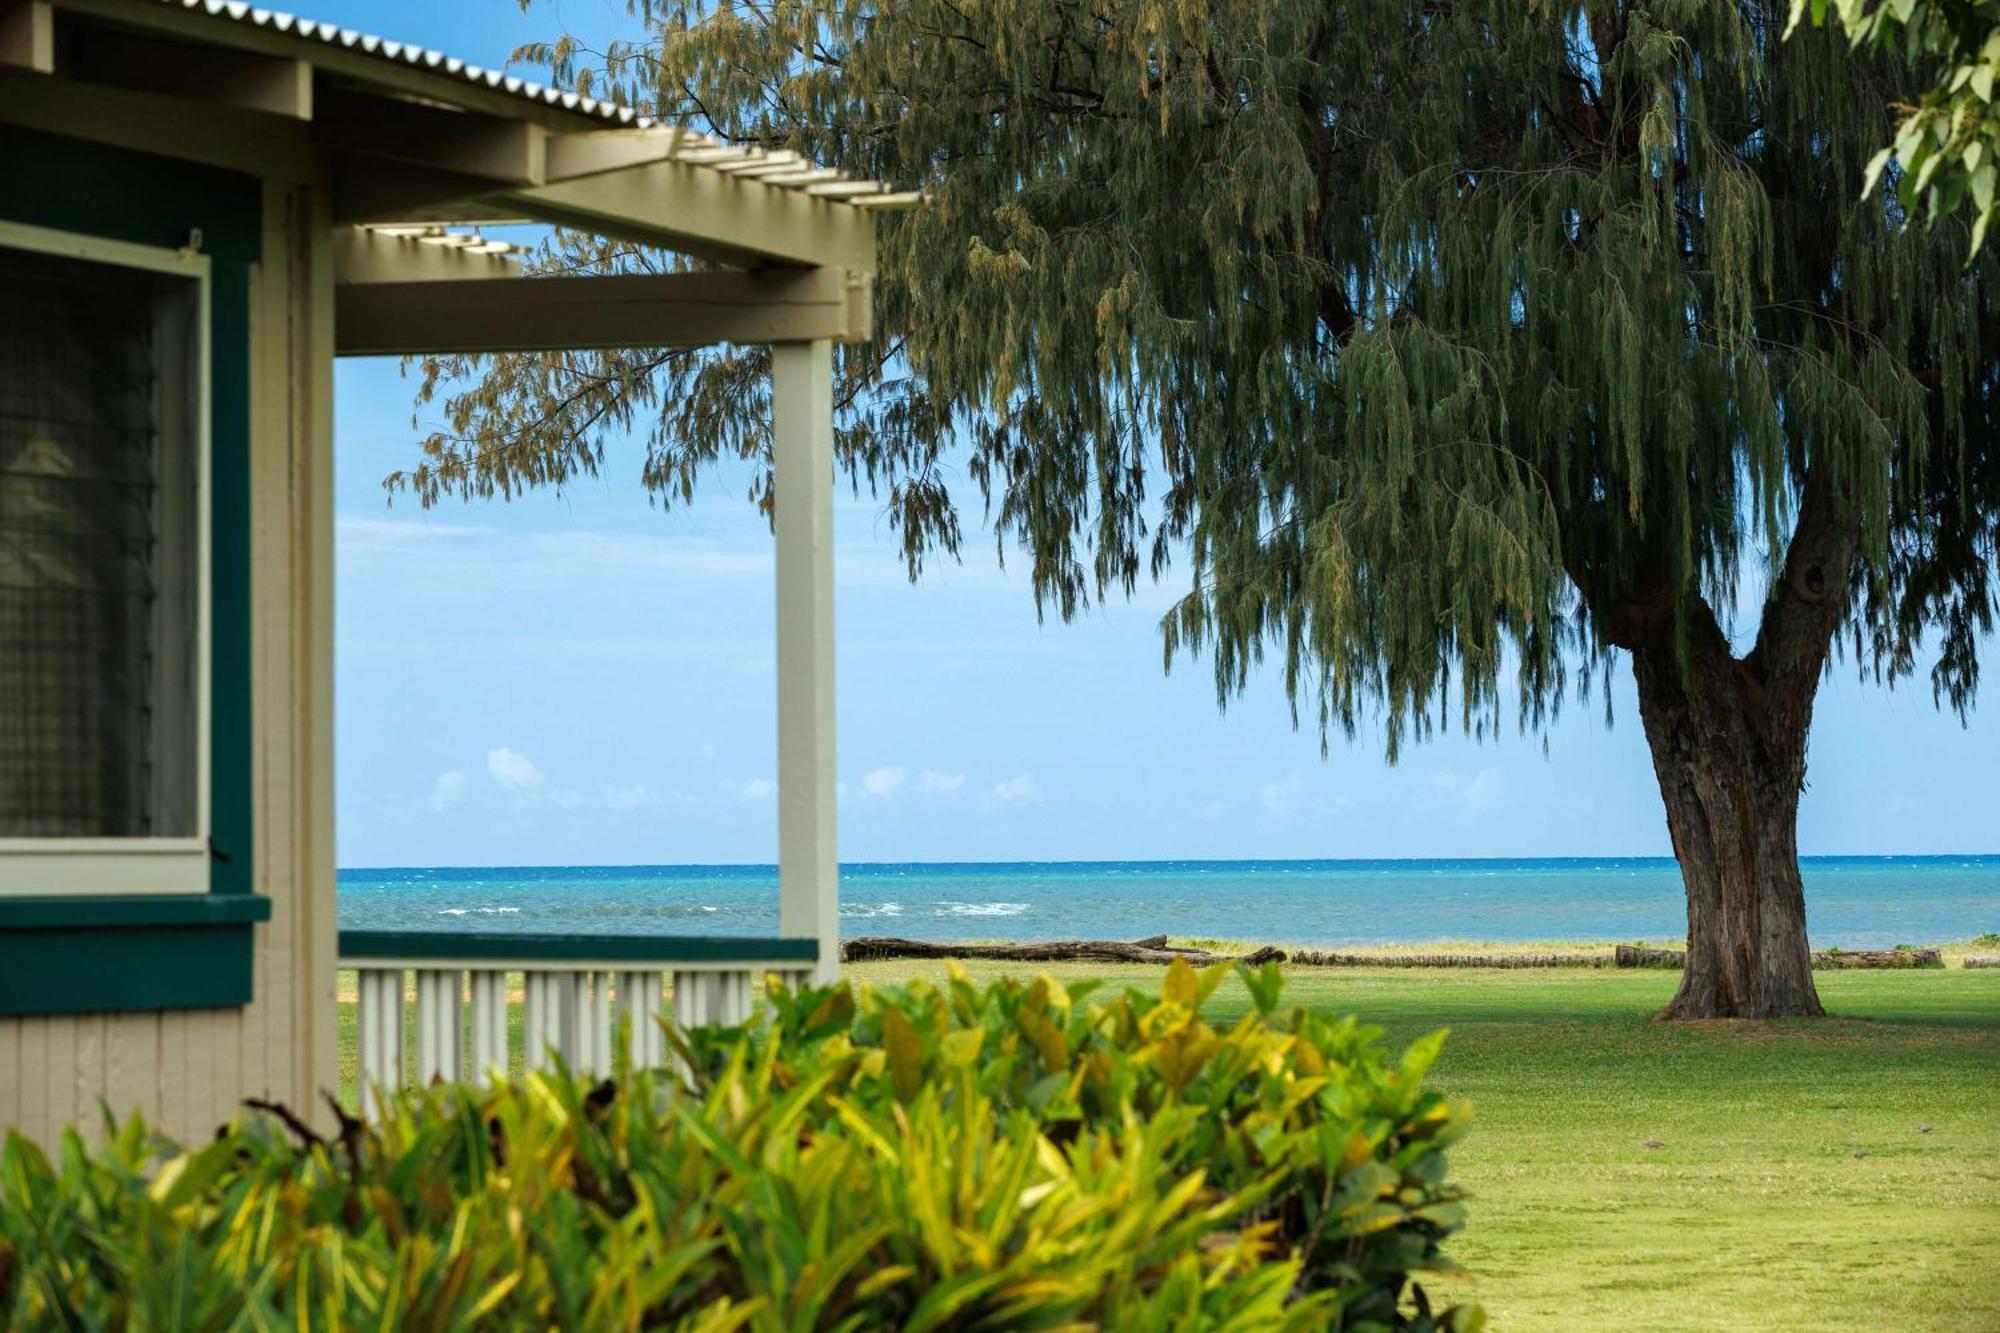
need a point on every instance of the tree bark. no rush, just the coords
(1728, 737)
(1731, 788)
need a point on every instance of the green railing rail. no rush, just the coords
(387, 946)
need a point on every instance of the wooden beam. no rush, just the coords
(369, 189)
(364, 256)
(204, 132)
(595, 152)
(639, 310)
(498, 151)
(28, 35)
(808, 810)
(709, 213)
(270, 85)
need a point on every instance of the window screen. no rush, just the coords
(99, 549)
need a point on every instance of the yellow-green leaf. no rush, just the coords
(906, 1053)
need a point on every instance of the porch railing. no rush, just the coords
(577, 992)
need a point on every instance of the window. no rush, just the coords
(103, 566)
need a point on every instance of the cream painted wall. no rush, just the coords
(187, 1071)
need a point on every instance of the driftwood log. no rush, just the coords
(1152, 949)
(1631, 955)
(1315, 958)
(1983, 960)
(1155, 949)
(1834, 958)
(1634, 955)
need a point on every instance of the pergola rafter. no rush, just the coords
(411, 153)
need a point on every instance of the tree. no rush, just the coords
(1469, 349)
(1947, 145)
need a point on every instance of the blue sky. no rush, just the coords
(588, 679)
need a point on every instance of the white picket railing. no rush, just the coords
(573, 1005)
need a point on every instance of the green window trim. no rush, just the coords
(103, 911)
(390, 946)
(127, 953)
(117, 952)
(141, 199)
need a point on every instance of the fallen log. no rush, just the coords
(1317, 958)
(1631, 955)
(1155, 949)
(1842, 958)
(1983, 960)
(1152, 949)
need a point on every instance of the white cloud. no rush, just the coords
(446, 791)
(522, 778)
(1015, 791)
(649, 556)
(751, 789)
(1474, 796)
(398, 538)
(738, 552)
(933, 783)
(884, 781)
(1284, 798)
(634, 797)
(516, 773)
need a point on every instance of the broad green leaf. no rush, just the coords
(906, 1053)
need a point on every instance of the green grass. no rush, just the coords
(1756, 1211)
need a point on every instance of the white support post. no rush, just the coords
(802, 451)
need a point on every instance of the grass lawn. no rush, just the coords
(1795, 1185)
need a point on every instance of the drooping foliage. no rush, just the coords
(1446, 347)
(1947, 144)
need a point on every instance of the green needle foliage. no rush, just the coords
(1455, 351)
(1011, 1156)
(1441, 335)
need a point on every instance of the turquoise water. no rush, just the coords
(1853, 902)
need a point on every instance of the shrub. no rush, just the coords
(1006, 1157)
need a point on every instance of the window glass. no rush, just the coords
(99, 549)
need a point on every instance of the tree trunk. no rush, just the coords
(1728, 737)
(1731, 764)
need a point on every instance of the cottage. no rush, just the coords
(201, 206)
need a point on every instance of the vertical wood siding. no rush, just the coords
(187, 1071)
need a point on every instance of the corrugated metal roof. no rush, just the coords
(777, 170)
(416, 57)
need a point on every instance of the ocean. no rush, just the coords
(1851, 901)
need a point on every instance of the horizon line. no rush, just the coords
(1666, 858)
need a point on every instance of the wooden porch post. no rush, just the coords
(802, 433)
